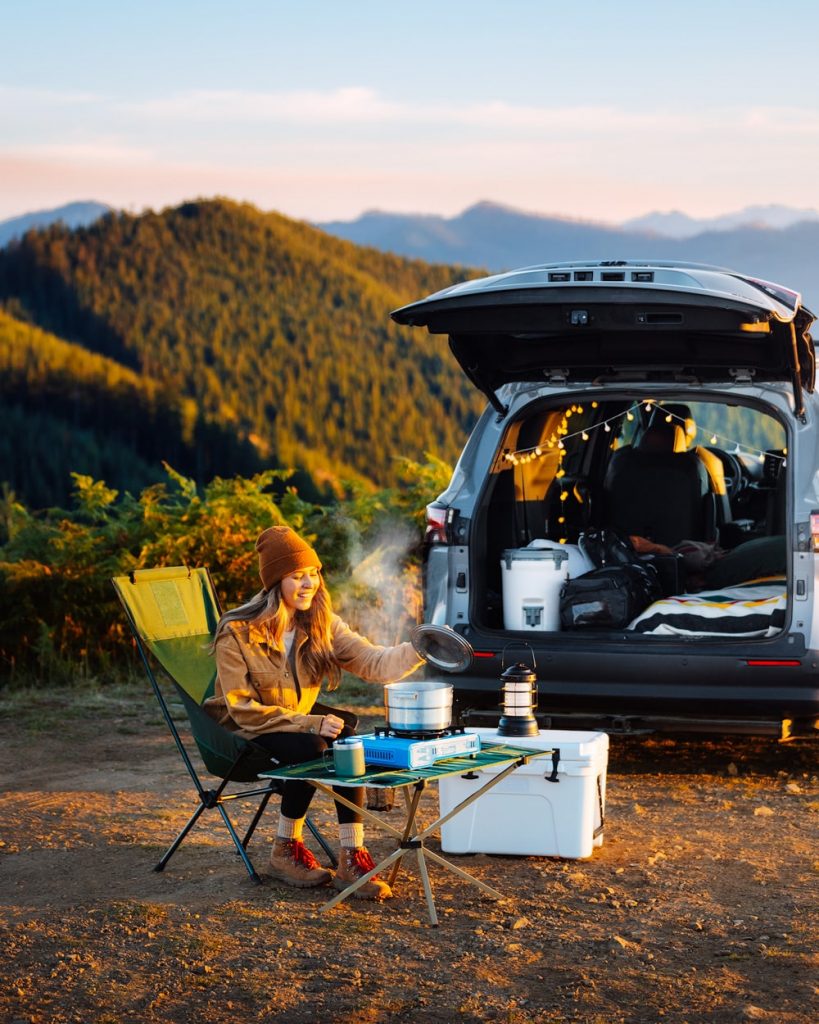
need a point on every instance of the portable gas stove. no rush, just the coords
(417, 750)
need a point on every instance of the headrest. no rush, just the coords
(674, 436)
(662, 436)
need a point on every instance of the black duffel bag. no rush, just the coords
(609, 597)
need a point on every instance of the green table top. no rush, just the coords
(490, 755)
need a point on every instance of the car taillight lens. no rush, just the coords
(814, 529)
(438, 520)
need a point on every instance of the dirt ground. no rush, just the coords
(701, 905)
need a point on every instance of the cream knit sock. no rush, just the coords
(290, 828)
(351, 834)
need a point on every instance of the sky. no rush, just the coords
(323, 109)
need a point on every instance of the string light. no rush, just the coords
(526, 455)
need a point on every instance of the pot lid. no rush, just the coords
(621, 320)
(442, 647)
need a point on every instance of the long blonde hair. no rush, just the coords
(266, 610)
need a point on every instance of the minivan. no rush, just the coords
(670, 406)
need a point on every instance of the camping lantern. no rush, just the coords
(519, 701)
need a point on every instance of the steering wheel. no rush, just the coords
(732, 470)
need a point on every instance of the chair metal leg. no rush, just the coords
(160, 866)
(177, 842)
(319, 838)
(238, 844)
(257, 817)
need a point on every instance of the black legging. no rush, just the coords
(297, 747)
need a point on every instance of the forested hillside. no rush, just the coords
(65, 408)
(222, 335)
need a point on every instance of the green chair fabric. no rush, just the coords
(173, 614)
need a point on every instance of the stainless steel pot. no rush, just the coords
(418, 707)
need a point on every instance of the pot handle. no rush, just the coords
(401, 699)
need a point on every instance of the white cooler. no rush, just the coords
(526, 814)
(531, 579)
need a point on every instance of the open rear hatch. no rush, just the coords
(622, 321)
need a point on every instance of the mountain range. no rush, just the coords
(73, 215)
(675, 224)
(499, 238)
(775, 242)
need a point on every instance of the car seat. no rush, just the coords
(713, 465)
(658, 490)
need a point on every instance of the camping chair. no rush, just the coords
(173, 614)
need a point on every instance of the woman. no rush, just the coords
(271, 657)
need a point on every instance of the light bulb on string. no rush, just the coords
(585, 436)
(714, 439)
(629, 415)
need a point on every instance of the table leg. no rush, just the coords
(463, 874)
(359, 810)
(422, 870)
(412, 807)
(395, 855)
(493, 781)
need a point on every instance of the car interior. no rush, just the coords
(698, 487)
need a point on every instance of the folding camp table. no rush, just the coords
(320, 775)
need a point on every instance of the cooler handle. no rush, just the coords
(599, 830)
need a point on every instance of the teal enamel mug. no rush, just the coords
(348, 757)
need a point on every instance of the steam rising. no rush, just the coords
(381, 599)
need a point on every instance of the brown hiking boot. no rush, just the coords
(354, 864)
(293, 863)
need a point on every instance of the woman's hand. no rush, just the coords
(331, 726)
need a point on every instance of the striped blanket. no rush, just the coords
(755, 608)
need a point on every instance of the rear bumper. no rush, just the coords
(670, 682)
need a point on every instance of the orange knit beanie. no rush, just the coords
(282, 551)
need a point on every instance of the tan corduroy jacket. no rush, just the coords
(255, 691)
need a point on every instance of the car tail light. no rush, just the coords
(814, 529)
(439, 518)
